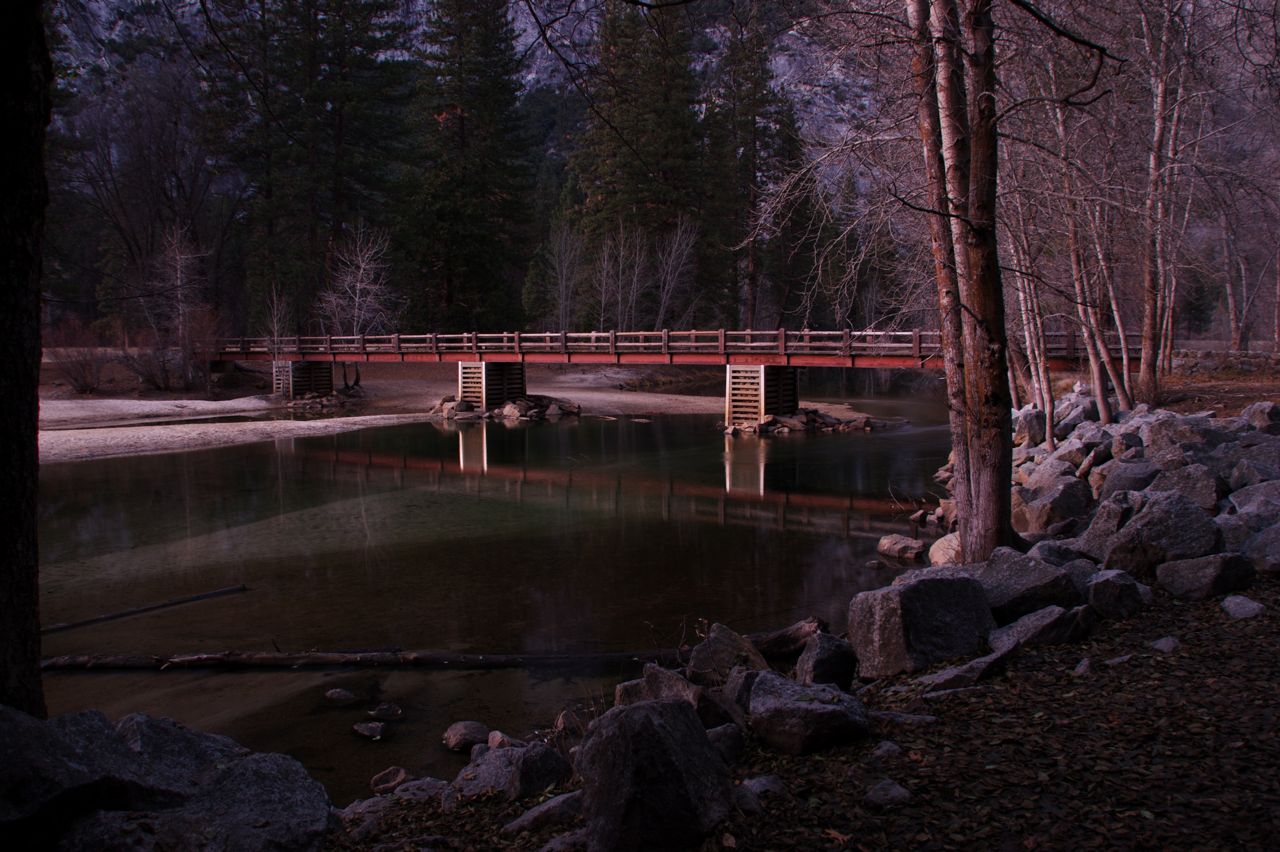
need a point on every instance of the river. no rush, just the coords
(588, 535)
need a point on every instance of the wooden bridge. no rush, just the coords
(782, 348)
(760, 366)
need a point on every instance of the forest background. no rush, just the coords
(279, 167)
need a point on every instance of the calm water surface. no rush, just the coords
(582, 536)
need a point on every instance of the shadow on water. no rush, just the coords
(591, 535)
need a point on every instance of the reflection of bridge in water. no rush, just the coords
(743, 499)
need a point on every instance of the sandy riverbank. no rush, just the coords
(80, 428)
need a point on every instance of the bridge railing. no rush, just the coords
(720, 342)
(917, 344)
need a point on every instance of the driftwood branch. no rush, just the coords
(98, 619)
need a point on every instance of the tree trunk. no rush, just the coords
(24, 100)
(923, 74)
(1152, 254)
(1275, 340)
(986, 350)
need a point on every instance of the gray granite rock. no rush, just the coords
(651, 779)
(906, 627)
(888, 794)
(798, 719)
(827, 659)
(1115, 594)
(461, 736)
(513, 773)
(557, 810)
(1206, 576)
(1239, 607)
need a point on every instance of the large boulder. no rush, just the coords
(76, 782)
(1169, 431)
(1207, 576)
(1263, 550)
(261, 801)
(1014, 583)
(651, 779)
(909, 626)
(1049, 506)
(711, 660)
(827, 659)
(1248, 472)
(1029, 427)
(1072, 410)
(1052, 625)
(798, 719)
(1048, 472)
(47, 767)
(1196, 482)
(513, 773)
(1123, 475)
(1262, 499)
(1234, 531)
(1264, 416)
(1115, 594)
(1168, 526)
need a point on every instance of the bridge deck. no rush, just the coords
(918, 349)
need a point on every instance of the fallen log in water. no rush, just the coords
(788, 642)
(439, 660)
(138, 610)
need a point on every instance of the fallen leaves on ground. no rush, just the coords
(1163, 751)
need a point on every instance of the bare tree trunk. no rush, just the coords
(25, 75)
(990, 434)
(1275, 340)
(923, 73)
(1229, 261)
(1123, 384)
(1152, 254)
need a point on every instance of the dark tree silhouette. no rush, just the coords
(25, 73)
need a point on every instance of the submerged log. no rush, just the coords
(98, 619)
(231, 660)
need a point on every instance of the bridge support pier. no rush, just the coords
(487, 385)
(292, 379)
(754, 392)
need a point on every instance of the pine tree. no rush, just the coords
(640, 156)
(751, 141)
(307, 95)
(469, 212)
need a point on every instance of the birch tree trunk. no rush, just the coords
(960, 159)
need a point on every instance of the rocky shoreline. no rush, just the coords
(1124, 521)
